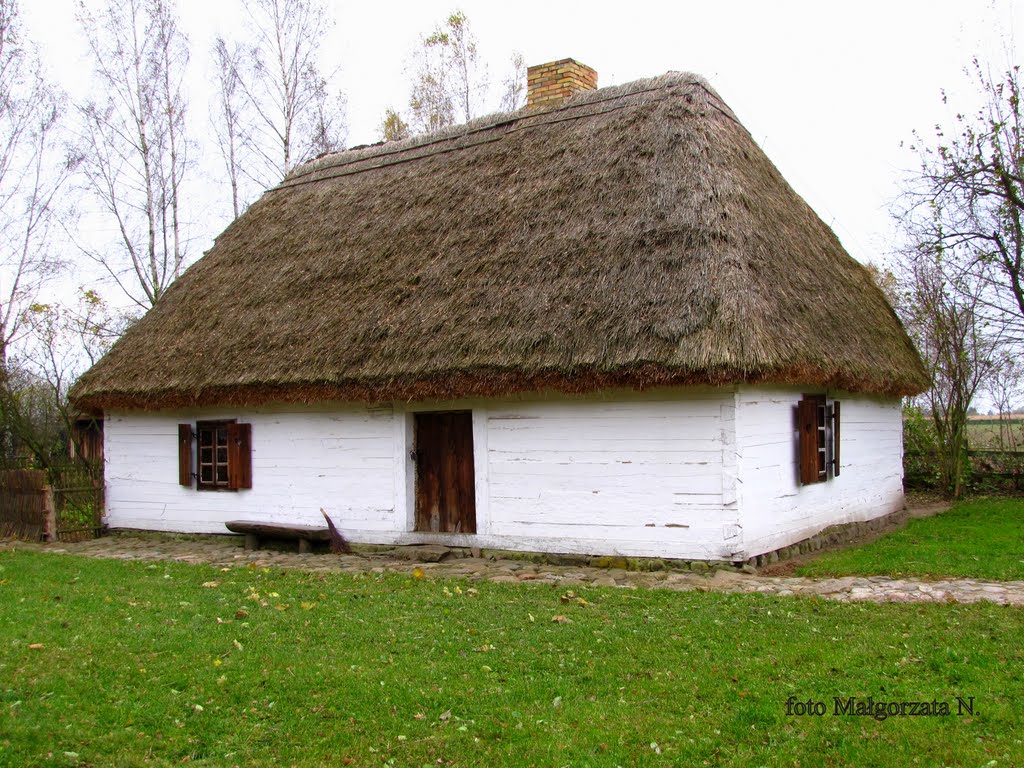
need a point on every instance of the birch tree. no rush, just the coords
(134, 144)
(449, 80)
(514, 84)
(33, 169)
(227, 117)
(290, 113)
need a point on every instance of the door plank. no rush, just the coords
(445, 482)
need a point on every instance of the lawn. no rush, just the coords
(127, 663)
(980, 538)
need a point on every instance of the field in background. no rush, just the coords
(991, 433)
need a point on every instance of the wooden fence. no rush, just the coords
(64, 504)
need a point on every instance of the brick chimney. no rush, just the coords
(554, 82)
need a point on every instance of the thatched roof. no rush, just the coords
(633, 236)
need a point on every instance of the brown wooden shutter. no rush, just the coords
(185, 454)
(807, 423)
(239, 456)
(835, 439)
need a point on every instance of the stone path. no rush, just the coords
(227, 551)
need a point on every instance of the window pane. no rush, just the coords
(222, 474)
(206, 474)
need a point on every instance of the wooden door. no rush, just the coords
(445, 486)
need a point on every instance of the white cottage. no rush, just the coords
(603, 324)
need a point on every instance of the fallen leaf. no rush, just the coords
(237, 644)
(241, 613)
(557, 702)
(561, 619)
(417, 573)
(307, 606)
(36, 646)
(419, 716)
(211, 584)
(446, 715)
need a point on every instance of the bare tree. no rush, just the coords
(974, 176)
(134, 149)
(325, 123)
(449, 79)
(32, 171)
(942, 308)
(1005, 388)
(227, 116)
(450, 82)
(291, 113)
(514, 94)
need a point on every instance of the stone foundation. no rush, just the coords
(832, 536)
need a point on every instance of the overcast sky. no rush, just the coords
(829, 90)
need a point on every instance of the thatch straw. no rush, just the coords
(634, 236)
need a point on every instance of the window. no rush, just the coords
(223, 455)
(212, 454)
(818, 426)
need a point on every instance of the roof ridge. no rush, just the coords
(319, 169)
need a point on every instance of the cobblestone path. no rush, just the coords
(228, 551)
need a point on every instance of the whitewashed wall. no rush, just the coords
(700, 473)
(776, 509)
(302, 459)
(639, 477)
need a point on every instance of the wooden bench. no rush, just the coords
(306, 534)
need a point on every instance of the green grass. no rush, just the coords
(144, 665)
(980, 538)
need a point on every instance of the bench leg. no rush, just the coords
(305, 546)
(252, 541)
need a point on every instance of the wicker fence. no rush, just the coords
(25, 504)
(63, 504)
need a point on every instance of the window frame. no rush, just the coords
(818, 445)
(214, 426)
(236, 461)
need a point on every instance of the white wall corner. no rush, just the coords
(405, 469)
(481, 461)
(732, 483)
